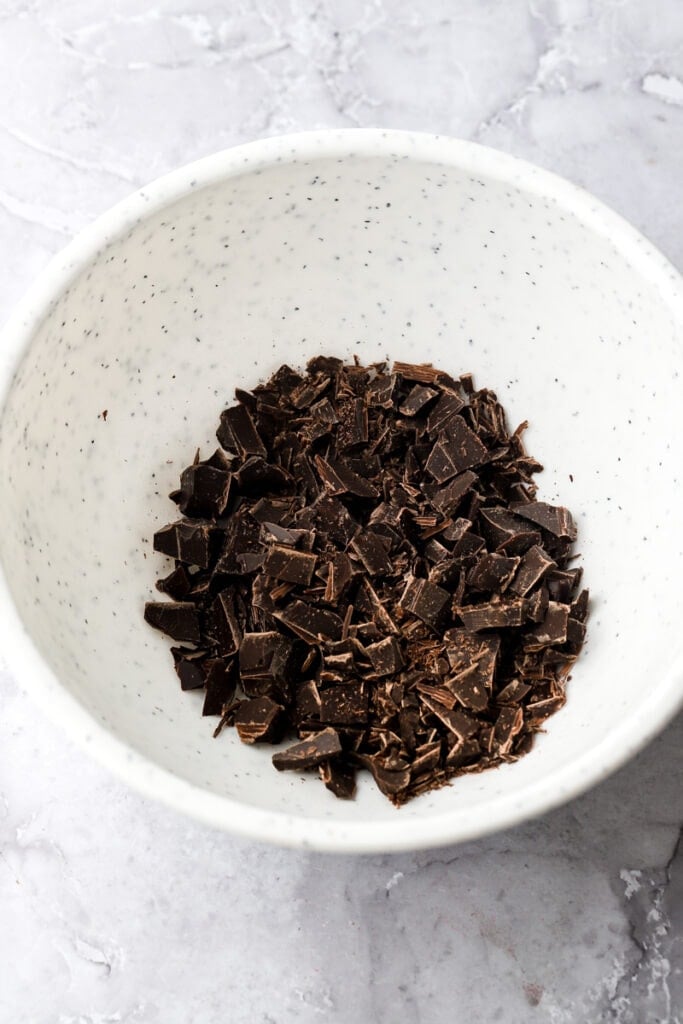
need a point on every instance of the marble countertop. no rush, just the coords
(114, 909)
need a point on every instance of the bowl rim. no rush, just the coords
(147, 777)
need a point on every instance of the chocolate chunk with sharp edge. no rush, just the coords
(272, 510)
(243, 536)
(444, 460)
(338, 478)
(307, 392)
(381, 392)
(424, 373)
(427, 601)
(265, 658)
(513, 693)
(446, 499)
(416, 400)
(448, 405)
(492, 573)
(390, 780)
(260, 720)
(330, 519)
(204, 490)
(304, 540)
(537, 604)
(466, 449)
(386, 657)
(309, 622)
(188, 542)
(457, 722)
(221, 682)
(189, 667)
(553, 518)
(495, 615)
(340, 574)
(238, 433)
(373, 551)
(534, 566)
(508, 725)
(256, 476)
(553, 629)
(285, 563)
(576, 634)
(507, 532)
(561, 585)
(177, 584)
(178, 619)
(580, 606)
(382, 618)
(310, 752)
(344, 704)
(307, 700)
(225, 624)
(339, 777)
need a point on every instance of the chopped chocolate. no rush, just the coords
(364, 567)
(238, 433)
(284, 563)
(188, 542)
(177, 584)
(386, 657)
(339, 777)
(344, 704)
(554, 519)
(494, 615)
(178, 619)
(373, 550)
(417, 399)
(427, 601)
(221, 683)
(265, 662)
(309, 752)
(312, 624)
(189, 668)
(205, 489)
(534, 565)
(259, 720)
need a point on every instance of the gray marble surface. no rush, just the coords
(117, 911)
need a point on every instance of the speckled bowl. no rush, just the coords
(353, 243)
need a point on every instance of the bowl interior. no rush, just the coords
(360, 255)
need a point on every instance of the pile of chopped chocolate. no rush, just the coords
(363, 565)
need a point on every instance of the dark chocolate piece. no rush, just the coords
(312, 624)
(417, 399)
(259, 720)
(238, 433)
(309, 752)
(426, 600)
(191, 543)
(205, 489)
(221, 682)
(265, 662)
(285, 563)
(344, 704)
(495, 615)
(177, 584)
(178, 619)
(339, 777)
(553, 518)
(189, 667)
(373, 550)
(534, 565)
(385, 656)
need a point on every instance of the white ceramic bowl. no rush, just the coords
(360, 243)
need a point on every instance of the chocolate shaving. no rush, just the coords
(364, 567)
